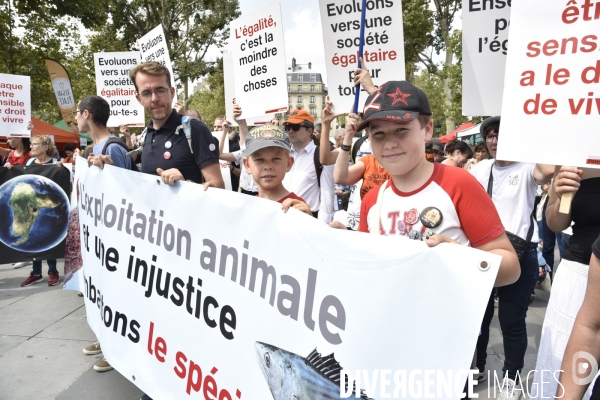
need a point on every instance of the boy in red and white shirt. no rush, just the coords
(424, 201)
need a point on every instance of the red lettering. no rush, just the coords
(180, 359)
(161, 349)
(534, 48)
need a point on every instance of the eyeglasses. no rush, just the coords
(74, 113)
(490, 138)
(295, 127)
(160, 92)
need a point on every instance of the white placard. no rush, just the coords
(260, 80)
(15, 105)
(224, 165)
(230, 99)
(194, 289)
(383, 46)
(114, 85)
(551, 105)
(485, 45)
(153, 46)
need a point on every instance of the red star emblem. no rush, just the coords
(399, 96)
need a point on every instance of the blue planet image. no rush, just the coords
(34, 214)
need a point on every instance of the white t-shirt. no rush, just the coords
(302, 178)
(513, 194)
(246, 180)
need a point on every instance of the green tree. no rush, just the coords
(418, 33)
(210, 101)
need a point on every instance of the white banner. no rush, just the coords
(230, 100)
(222, 293)
(153, 46)
(551, 90)
(383, 46)
(15, 105)
(260, 80)
(485, 44)
(113, 83)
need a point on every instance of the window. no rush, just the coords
(300, 78)
(324, 100)
(312, 78)
(312, 88)
(299, 88)
(289, 87)
(312, 99)
(313, 112)
(299, 99)
(289, 77)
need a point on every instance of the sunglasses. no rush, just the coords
(295, 127)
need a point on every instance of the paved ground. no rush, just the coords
(43, 331)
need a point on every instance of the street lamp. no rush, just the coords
(438, 128)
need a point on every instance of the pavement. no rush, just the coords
(43, 330)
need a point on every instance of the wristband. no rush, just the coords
(346, 147)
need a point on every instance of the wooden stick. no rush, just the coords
(565, 203)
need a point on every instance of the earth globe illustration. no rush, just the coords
(34, 214)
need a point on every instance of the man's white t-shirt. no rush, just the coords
(513, 194)
(301, 179)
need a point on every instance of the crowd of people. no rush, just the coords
(396, 180)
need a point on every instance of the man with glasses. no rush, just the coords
(307, 176)
(512, 186)
(166, 153)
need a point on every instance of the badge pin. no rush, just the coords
(168, 145)
(167, 155)
(431, 217)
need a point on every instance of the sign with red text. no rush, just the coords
(186, 302)
(383, 46)
(153, 46)
(230, 99)
(113, 83)
(552, 84)
(485, 45)
(15, 105)
(259, 69)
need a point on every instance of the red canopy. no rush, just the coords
(61, 137)
(452, 135)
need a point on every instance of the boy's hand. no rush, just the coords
(351, 125)
(338, 225)
(363, 77)
(434, 240)
(326, 115)
(297, 204)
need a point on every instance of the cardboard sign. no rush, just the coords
(260, 80)
(153, 46)
(552, 85)
(485, 45)
(15, 105)
(187, 304)
(230, 100)
(383, 46)
(114, 85)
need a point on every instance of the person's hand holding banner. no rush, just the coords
(297, 204)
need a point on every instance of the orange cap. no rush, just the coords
(299, 116)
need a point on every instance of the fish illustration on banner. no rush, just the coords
(291, 376)
(61, 83)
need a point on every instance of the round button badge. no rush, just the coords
(168, 145)
(167, 155)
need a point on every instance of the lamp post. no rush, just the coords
(438, 128)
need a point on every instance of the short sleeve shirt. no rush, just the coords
(164, 149)
(374, 174)
(451, 203)
(117, 153)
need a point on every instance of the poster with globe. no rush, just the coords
(34, 205)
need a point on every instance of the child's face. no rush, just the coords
(399, 147)
(268, 166)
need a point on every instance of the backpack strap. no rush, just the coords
(355, 147)
(111, 141)
(377, 209)
(186, 125)
(318, 165)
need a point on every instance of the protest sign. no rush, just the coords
(15, 105)
(35, 210)
(485, 44)
(260, 80)
(225, 170)
(114, 85)
(153, 46)
(185, 302)
(61, 83)
(230, 100)
(551, 95)
(383, 46)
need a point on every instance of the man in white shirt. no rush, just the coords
(304, 179)
(512, 186)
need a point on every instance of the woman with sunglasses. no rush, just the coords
(43, 151)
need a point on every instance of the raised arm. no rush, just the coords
(542, 173)
(566, 180)
(342, 173)
(326, 155)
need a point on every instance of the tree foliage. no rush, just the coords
(210, 101)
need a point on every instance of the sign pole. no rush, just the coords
(360, 50)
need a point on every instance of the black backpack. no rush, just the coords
(355, 147)
(110, 141)
(317, 162)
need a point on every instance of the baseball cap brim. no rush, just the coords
(262, 144)
(296, 120)
(399, 117)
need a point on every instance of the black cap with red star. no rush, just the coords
(395, 101)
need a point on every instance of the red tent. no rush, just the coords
(61, 137)
(452, 135)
